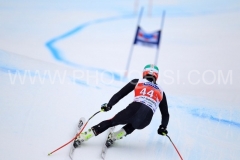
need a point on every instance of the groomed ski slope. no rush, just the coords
(60, 61)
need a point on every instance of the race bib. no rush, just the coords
(148, 93)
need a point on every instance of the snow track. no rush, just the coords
(51, 77)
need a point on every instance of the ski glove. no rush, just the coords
(162, 130)
(105, 107)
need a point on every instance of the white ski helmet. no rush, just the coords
(151, 69)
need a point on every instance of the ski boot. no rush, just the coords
(109, 141)
(76, 143)
(83, 137)
(112, 137)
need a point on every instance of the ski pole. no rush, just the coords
(174, 146)
(76, 135)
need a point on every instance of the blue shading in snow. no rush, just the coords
(200, 114)
(12, 70)
(83, 83)
(59, 56)
(16, 71)
(205, 113)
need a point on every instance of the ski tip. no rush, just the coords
(49, 154)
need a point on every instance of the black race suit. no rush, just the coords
(136, 115)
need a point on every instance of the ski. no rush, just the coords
(79, 127)
(104, 148)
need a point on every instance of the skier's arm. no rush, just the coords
(164, 111)
(123, 92)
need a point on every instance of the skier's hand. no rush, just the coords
(162, 130)
(105, 107)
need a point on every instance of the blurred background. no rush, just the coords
(58, 58)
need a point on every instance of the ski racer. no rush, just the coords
(138, 114)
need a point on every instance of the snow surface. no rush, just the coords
(61, 60)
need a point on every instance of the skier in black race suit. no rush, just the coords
(138, 114)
